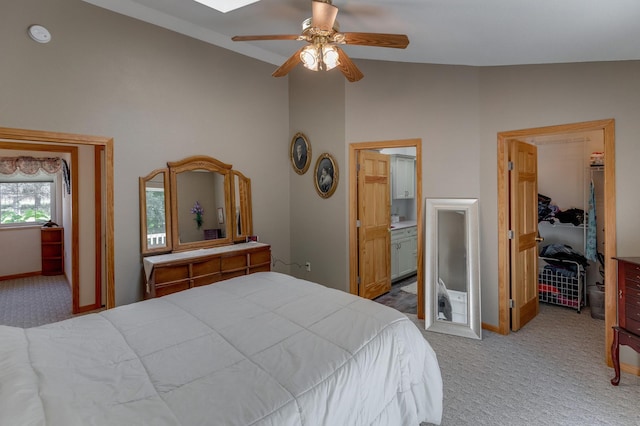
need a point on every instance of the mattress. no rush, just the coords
(262, 349)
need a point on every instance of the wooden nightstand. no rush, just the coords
(627, 332)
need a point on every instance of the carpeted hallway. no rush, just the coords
(33, 301)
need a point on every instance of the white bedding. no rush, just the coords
(262, 349)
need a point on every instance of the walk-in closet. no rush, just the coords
(571, 221)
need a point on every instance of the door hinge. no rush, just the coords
(510, 234)
(511, 304)
(510, 165)
(357, 224)
(358, 280)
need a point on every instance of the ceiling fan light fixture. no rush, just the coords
(320, 57)
(309, 57)
(330, 56)
(322, 32)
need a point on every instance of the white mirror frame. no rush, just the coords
(473, 327)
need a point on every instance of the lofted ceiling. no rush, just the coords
(455, 32)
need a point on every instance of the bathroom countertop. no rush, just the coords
(402, 225)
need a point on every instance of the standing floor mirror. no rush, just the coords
(452, 271)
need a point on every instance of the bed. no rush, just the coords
(261, 349)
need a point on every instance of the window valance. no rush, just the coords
(33, 165)
(29, 165)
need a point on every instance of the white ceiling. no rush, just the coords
(457, 32)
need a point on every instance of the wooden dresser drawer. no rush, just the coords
(632, 314)
(207, 279)
(164, 289)
(166, 274)
(183, 270)
(259, 257)
(631, 303)
(232, 263)
(631, 284)
(632, 272)
(206, 267)
(633, 326)
(265, 267)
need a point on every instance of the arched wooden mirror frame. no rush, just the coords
(243, 221)
(180, 208)
(160, 242)
(231, 222)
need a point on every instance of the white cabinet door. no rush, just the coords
(407, 256)
(403, 174)
(396, 236)
(404, 252)
(394, 260)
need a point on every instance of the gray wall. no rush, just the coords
(160, 95)
(319, 225)
(163, 96)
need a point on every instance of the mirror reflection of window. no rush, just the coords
(156, 220)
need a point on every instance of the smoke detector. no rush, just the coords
(39, 33)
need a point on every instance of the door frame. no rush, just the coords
(73, 140)
(353, 210)
(607, 126)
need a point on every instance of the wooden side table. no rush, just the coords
(627, 332)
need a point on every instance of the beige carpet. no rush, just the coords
(33, 301)
(551, 372)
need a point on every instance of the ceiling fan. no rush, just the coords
(323, 33)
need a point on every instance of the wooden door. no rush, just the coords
(523, 219)
(374, 215)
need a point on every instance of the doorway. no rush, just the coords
(103, 154)
(607, 127)
(354, 151)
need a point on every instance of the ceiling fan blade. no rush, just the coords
(397, 41)
(266, 37)
(288, 65)
(323, 15)
(348, 68)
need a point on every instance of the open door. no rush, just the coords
(523, 219)
(374, 233)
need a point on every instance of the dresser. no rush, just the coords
(627, 332)
(173, 272)
(52, 250)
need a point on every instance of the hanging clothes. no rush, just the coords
(591, 249)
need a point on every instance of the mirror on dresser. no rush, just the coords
(242, 207)
(452, 275)
(201, 192)
(207, 206)
(204, 203)
(155, 215)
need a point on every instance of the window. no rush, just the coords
(27, 199)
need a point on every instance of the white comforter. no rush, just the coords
(263, 349)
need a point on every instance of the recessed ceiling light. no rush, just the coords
(39, 33)
(225, 6)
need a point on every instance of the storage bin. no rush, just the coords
(596, 302)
